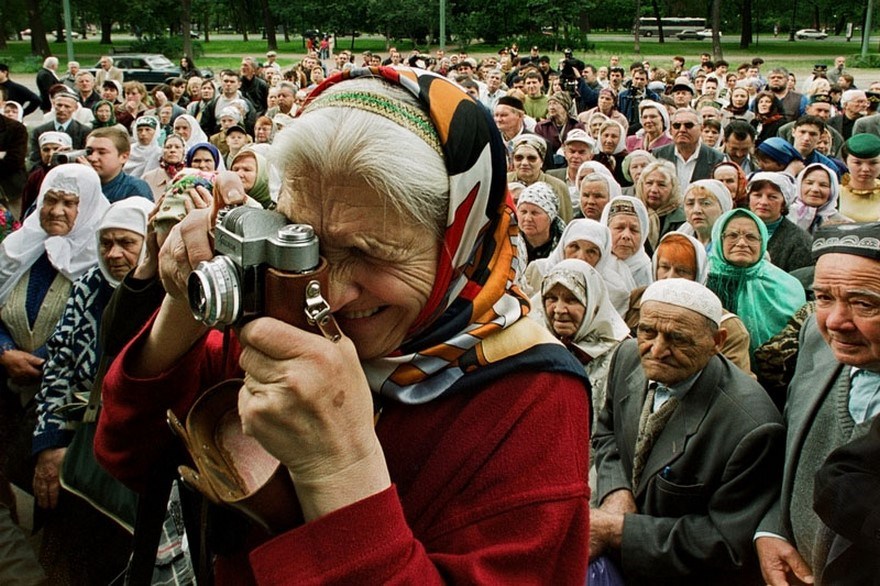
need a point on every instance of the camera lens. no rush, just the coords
(214, 292)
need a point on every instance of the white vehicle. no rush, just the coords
(810, 33)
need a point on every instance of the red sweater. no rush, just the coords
(490, 487)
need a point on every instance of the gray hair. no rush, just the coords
(286, 85)
(781, 70)
(666, 169)
(349, 142)
(108, 58)
(50, 62)
(596, 177)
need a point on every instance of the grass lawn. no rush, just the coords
(225, 52)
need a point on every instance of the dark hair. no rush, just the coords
(808, 119)
(709, 65)
(4, 68)
(775, 103)
(722, 63)
(740, 130)
(534, 75)
(712, 123)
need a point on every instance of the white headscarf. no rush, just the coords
(621, 144)
(717, 189)
(592, 231)
(128, 214)
(18, 108)
(602, 328)
(639, 264)
(614, 189)
(72, 254)
(196, 134)
(804, 215)
(143, 158)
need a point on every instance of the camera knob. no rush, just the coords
(296, 233)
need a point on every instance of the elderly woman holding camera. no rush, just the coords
(384, 433)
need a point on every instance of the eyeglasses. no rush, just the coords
(688, 125)
(734, 237)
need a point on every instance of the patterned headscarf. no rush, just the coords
(471, 330)
(541, 195)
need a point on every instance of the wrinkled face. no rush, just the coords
(609, 139)
(727, 175)
(58, 212)
(583, 250)
(681, 98)
(145, 134)
(656, 189)
(172, 151)
(120, 250)
(741, 242)
(203, 160)
(670, 269)
(848, 308)
(563, 310)
(636, 166)
(816, 188)
(701, 209)
(864, 171)
(493, 81)
(594, 198)
(806, 137)
(555, 110)
(382, 267)
(104, 158)
(606, 102)
(674, 343)
(507, 119)
(106, 64)
(710, 86)
(686, 129)
(856, 106)
(182, 129)
(626, 235)
(527, 164)
(246, 169)
(595, 125)
(85, 83)
(64, 109)
(739, 97)
(777, 81)
(652, 122)
(766, 202)
(534, 223)
(577, 153)
(820, 109)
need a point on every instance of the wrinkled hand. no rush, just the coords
(780, 560)
(606, 530)
(306, 400)
(47, 477)
(21, 366)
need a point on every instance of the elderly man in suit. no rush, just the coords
(692, 159)
(47, 76)
(688, 449)
(108, 71)
(832, 398)
(64, 105)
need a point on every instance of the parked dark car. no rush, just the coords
(695, 34)
(151, 69)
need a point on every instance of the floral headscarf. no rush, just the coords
(471, 329)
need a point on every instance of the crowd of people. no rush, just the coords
(583, 320)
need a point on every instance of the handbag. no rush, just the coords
(83, 476)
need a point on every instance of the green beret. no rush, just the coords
(864, 145)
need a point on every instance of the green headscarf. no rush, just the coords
(762, 295)
(111, 122)
(260, 190)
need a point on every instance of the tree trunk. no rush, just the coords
(637, 29)
(745, 37)
(206, 25)
(3, 32)
(286, 31)
(186, 27)
(39, 44)
(269, 21)
(717, 52)
(106, 26)
(661, 37)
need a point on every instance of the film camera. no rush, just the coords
(264, 266)
(567, 74)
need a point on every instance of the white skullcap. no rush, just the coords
(131, 214)
(783, 181)
(687, 294)
(231, 112)
(53, 137)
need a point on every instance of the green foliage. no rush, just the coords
(870, 61)
(171, 47)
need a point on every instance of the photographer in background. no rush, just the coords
(583, 92)
(64, 105)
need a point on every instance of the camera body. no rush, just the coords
(264, 266)
(64, 157)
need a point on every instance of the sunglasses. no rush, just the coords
(688, 125)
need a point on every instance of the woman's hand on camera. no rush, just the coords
(306, 400)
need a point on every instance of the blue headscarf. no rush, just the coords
(215, 153)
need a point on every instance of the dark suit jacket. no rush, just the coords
(711, 476)
(45, 80)
(13, 141)
(706, 160)
(78, 133)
